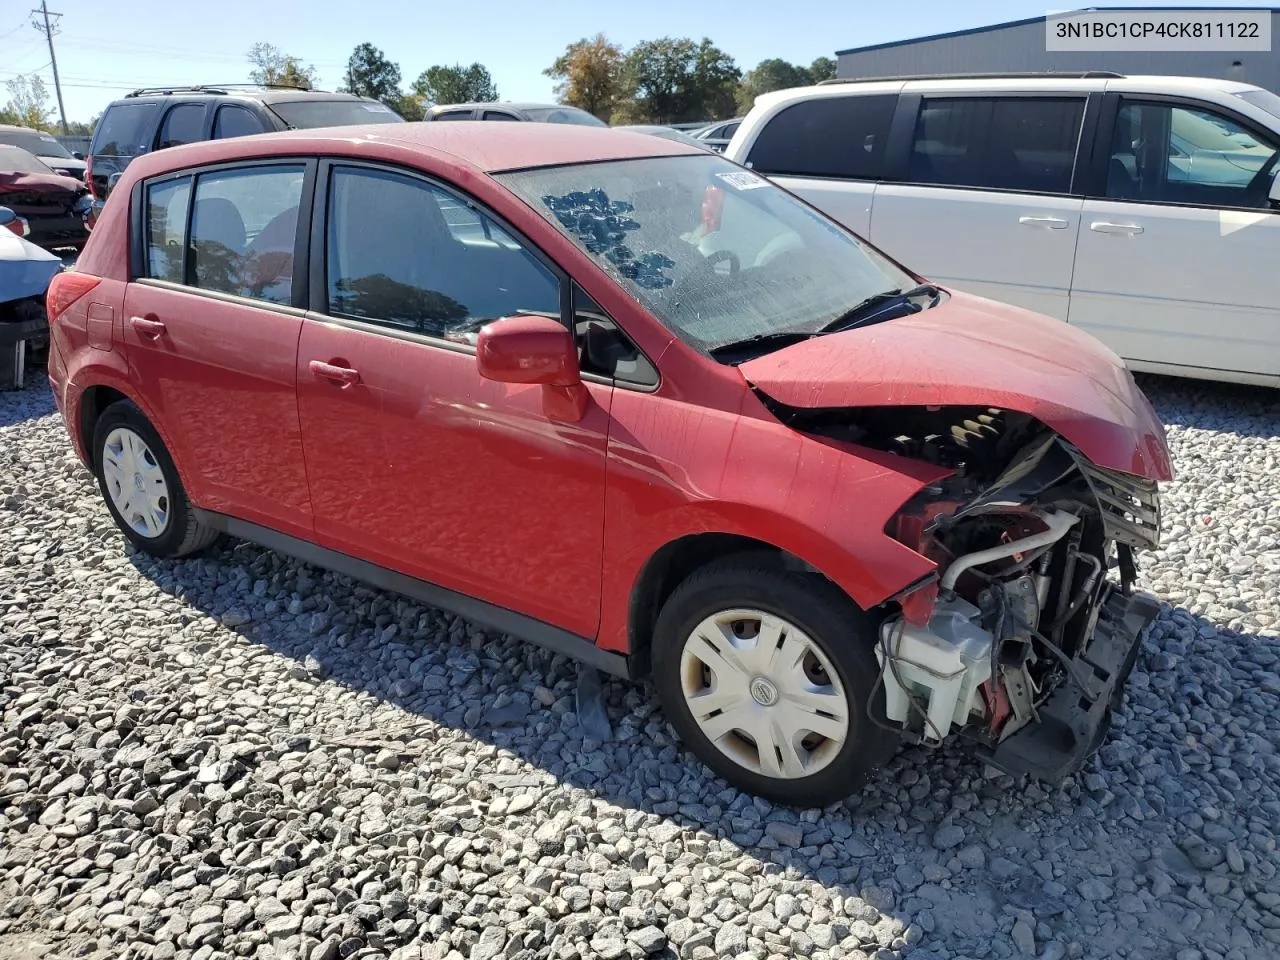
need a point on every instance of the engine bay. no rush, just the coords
(1025, 636)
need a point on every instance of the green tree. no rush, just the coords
(272, 66)
(371, 74)
(28, 104)
(456, 84)
(590, 75)
(675, 80)
(823, 68)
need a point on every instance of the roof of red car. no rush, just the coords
(486, 146)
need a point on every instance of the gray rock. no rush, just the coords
(948, 836)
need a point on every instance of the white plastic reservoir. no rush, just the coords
(941, 666)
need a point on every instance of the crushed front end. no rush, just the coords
(1023, 640)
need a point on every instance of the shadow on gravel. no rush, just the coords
(936, 839)
(1222, 407)
(33, 401)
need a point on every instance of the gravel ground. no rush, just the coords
(241, 756)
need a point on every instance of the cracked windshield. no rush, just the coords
(716, 252)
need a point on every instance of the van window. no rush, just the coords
(235, 122)
(243, 231)
(826, 137)
(1008, 143)
(182, 124)
(1161, 153)
(125, 129)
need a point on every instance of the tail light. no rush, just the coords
(88, 176)
(65, 289)
(712, 206)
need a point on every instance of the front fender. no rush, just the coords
(825, 502)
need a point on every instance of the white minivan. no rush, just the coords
(1145, 210)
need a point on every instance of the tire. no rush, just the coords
(815, 615)
(177, 532)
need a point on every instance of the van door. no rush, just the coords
(828, 150)
(986, 202)
(1175, 269)
(124, 132)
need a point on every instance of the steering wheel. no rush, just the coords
(716, 256)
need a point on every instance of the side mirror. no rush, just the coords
(7, 216)
(1274, 194)
(77, 154)
(534, 350)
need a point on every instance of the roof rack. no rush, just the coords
(216, 88)
(1032, 75)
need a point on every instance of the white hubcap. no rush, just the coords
(135, 482)
(764, 693)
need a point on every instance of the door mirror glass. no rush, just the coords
(7, 216)
(1274, 194)
(527, 349)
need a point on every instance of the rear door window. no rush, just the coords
(1008, 143)
(454, 115)
(232, 121)
(826, 137)
(498, 115)
(183, 124)
(125, 129)
(243, 231)
(166, 224)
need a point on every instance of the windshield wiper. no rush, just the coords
(761, 343)
(877, 307)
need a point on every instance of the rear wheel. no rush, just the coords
(141, 485)
(766, 675)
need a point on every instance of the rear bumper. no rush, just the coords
(1073, 722)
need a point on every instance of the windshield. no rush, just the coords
(41, 144)
(17, 160)
(563, 115)
(1264, 99)
(717, 253)
(306, 114)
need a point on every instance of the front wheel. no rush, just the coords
(766, 675)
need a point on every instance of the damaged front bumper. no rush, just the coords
(1072, 723)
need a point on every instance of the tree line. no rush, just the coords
(668, 80)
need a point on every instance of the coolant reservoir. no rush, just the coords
(940, 666)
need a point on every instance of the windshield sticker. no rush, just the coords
(741, 180)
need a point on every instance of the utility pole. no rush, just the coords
(48, 30)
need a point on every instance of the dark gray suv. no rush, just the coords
(155, 118)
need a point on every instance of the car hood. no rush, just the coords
(25, 269)
(48, 186)
(64, 163)
(972, 351)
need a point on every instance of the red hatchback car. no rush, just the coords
(631, 401)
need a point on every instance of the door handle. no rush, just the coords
(333, 372)
(147, 327)
(1053, 223)
(1118, 229)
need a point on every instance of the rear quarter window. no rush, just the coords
(125, 129)
(308, 114)
(826, 137)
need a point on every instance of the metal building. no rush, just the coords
(1019, 47)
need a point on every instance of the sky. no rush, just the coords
(105, 50)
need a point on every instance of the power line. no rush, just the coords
(48, 30)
